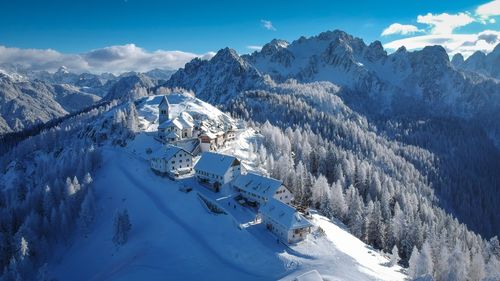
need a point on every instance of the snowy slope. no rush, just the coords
(173, 235)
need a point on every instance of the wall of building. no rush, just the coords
(283, 195)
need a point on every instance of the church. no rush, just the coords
(173, 129)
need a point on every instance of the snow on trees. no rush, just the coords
(394, 259)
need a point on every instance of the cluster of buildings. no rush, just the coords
(184, 127)
(217, 171)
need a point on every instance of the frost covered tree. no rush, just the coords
(425, 263)
(339, 207)
(413, 263)
(477, 267)
(394, 256)
(457, 265)
(121, 227)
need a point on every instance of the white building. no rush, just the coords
(208, 141)
(215, 169)
(230, 135)
(175, 129)
(172, 161)
(260, 189)
(284, 221)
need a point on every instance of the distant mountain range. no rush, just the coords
(415, 84)
(30, 97)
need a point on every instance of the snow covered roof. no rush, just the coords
(171, 123)
(172, 134)
(284, 214)
(184, 121)
(209, 135)
(168, 152)
(215, 163)
(257, 184)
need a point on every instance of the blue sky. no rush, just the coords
(199, 27)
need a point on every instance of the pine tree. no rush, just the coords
(339, 207)
(493, 269)
(457, 265)
(442, 265)
(121, 227)
(426, 265)
(413, 265)
(394, 256)
(477, 267)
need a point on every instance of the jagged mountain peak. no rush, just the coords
(334, 35)
(435, 56)
(226, 53)
(218, 79)
(375, 51)
(274, 46)
(457, 60)
(63, 70)
(401, 49)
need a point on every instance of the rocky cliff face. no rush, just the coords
(219, 78)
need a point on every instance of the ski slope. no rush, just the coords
(174, 237)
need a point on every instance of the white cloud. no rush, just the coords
(466, 44)
(254, 48)
(445, 23)
(489, 9)
(403, 29)
(267, 24)
(114, 59)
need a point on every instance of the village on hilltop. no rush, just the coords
(191, 149)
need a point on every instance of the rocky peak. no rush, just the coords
(434, 57)
(62, 70)
(375, 51)
(457, 60)
(226, 54)
(274, 46)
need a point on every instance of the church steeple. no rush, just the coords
(164, 110)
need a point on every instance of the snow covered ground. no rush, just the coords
(174, 237)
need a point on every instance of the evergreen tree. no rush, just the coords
(121, 227)
(394, 256)
(457, 265)
(413, 263)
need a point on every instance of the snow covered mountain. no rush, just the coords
(217, 80)
(24, 103)
(426, 76)
(479, 62)
(130, 87)
(414, 84)
(31, 97)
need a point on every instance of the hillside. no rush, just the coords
(418, 99)
(174, 235)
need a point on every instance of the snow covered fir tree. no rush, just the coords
(319, 158)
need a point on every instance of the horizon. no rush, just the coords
(127, 35)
